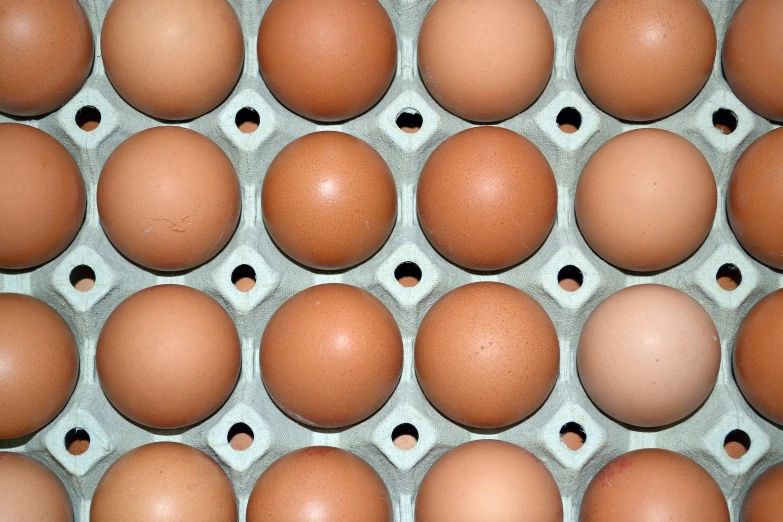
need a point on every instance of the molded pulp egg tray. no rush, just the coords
(701, 436)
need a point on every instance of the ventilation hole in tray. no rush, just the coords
(77, 441)
(724, 120)
(247, 120)
(570, 278)
(244, 278)
(405, 436)
(410, 121)
(569, 120)
(573, 435)
(736, 444)
(88, 118)
(240, 436)
(408, 274)
(729, 277)
(82, 278)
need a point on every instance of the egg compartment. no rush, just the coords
(252, 255)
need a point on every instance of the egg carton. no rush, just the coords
(701, 436)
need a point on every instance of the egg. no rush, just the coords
(754, 195)
(30, 491)
(42, 197)
(651, 485)
(641, 60)
(316, 484)
(329, 200)
(169, 198)
(48, 55)
(486, 198)
(649, 355)
(157, 350)
(764, 500)
(646, 200)
(39, 365)
(331, 355)
(172, 59)
(758, 357)
(327, 61)
(487, 355)
(161, 482)
(753, 57)
(488, 480)
(485, 60)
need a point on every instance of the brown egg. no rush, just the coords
(48, 55)
(319, 484)
(652, 485)
(486, 198)
(485, 60)
(169, 198)
(163, 482)
(331, 355)
(646, 200)
(327, 61)
(488, 480)
(42, 197)
(753, 56)
(39, 365)
(758, 357)
(487, 355)
(30, 491)
(172, 59)
(754, 196)
(641, 60)
(764, 500)
(157, 350)
(649, 355)
(329, 200)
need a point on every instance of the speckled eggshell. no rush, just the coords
(39, 365)
(487, 355)
(649, 355)
(764, 500)
(42, 197)
(157, 350)
(754, 196)
(753, 56)
(172, 59)
(164, 482)
(169, 198)
(329, 200)
(29, 491)
(488, 480)
(47, 55)
(485, 60)
(319, 484)
(641, 60)
(327, 61)
(652, 485)
(486, 198)
(758, 357)
(646, 200)
(331, 355)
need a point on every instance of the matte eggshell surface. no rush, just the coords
(29, 491)
(764, 500)
(487, 355)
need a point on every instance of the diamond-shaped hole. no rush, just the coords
(240, 436)
(729, 277)
(82, 278)
(244, 278)
(247, 120)
(736, 444)
(77, 441)
(573, 435)
(410, 121)
(405, 436)
(408, 274)
(569, 120)
(570, 278)
(725, 120)
(88, 118)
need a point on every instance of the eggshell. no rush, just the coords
(172, 59)
(42, 197)
(753, 56)
(29, 491)
(488, 480)
(485, 60)
(641, 60)
(754, 196)
(646, 200)
(649, 355)
(764, 500)
(169, 198)
(487, 355)
(163, 482)
(327, 61)
(758, 357)
(486, 198)
(39, 365)
(319, 484)
(331, 355)
(329, 200)
(48, 53)
(157, 350)
(651, 485)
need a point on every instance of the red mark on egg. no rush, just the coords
(320, 451)
(612, 469)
